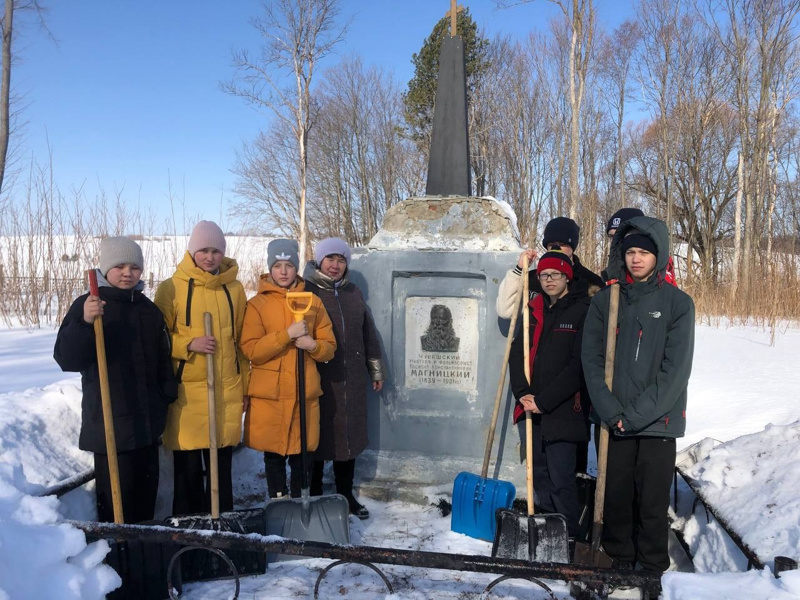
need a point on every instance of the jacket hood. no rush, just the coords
(228, 271)
(267, 286)
(655, 229)
(322, 281)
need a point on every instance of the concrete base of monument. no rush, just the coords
(422, 479)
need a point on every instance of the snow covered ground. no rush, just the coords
(740, 385)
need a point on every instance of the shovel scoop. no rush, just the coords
(321, 518)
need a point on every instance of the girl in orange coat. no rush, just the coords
(270, 339)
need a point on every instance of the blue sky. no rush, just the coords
(128, 97)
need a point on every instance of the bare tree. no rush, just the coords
(7, 27)
(297, 35)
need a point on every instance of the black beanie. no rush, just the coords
(562, 229)
(638, 240)
(622, 215)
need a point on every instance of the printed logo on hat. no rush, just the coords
(615, 222)
(283, 256)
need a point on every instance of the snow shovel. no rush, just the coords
(592, 554)
(206, 566)
(537, 538)
(477, 499)
(321, 518)
(142, 566)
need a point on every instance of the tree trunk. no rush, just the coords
(737, 224)
(5, 88)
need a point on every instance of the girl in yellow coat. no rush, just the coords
(270, 339)
(204, 282)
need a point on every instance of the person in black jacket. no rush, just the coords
(560, 234)
(646, 411)
(356, 364)
(140, 375)
(560, 420)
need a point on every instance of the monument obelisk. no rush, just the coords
(448, 164)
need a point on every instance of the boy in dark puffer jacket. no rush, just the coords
(140, 376)
(560, 419)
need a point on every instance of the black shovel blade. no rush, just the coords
(142, 566)
(207, 566)
(536, 538)
(584, 555)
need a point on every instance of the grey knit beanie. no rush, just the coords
(282, 249)
(116, 251)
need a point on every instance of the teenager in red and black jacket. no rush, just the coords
(560, 410)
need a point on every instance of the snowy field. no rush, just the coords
(742, 398)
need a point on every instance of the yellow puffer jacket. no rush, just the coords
(272, 423)
(222, 296)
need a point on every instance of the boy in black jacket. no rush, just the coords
(140, 376)
(560, 420)
(646, 408)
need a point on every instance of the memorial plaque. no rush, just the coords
(441, 343)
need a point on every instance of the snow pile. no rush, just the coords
(40, 431)
(40, 558)
(752, 483)
(755, 585)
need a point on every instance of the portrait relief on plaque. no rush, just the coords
(440, 335)
(441, 343)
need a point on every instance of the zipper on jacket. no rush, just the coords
(233, 328)
(182, 363)
(344, 354)
(638, 345)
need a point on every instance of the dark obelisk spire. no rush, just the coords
(448, 165)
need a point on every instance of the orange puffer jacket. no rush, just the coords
(272, 423)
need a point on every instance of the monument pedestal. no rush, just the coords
(430, 278)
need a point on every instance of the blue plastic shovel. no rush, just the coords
(476, 499)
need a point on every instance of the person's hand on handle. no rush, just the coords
(377, 385)
(306, 342)
(297, 330)
(205, 344)
(530, 253)
(92, 308)
(620, 427)
(529, 404)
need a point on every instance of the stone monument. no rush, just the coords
(430, 277)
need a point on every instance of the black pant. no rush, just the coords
(191, 475)
(275, 467)
(138, 478)
(343, 473)
(637, 499)
(554, 478)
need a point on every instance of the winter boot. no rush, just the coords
(343, 474)
(275, 469)
(317, 471)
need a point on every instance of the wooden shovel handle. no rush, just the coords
(213, 464)
(105, 398)
(502, 382)
(526, 357)
(602, 450)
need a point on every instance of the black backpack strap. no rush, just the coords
(233, 326)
